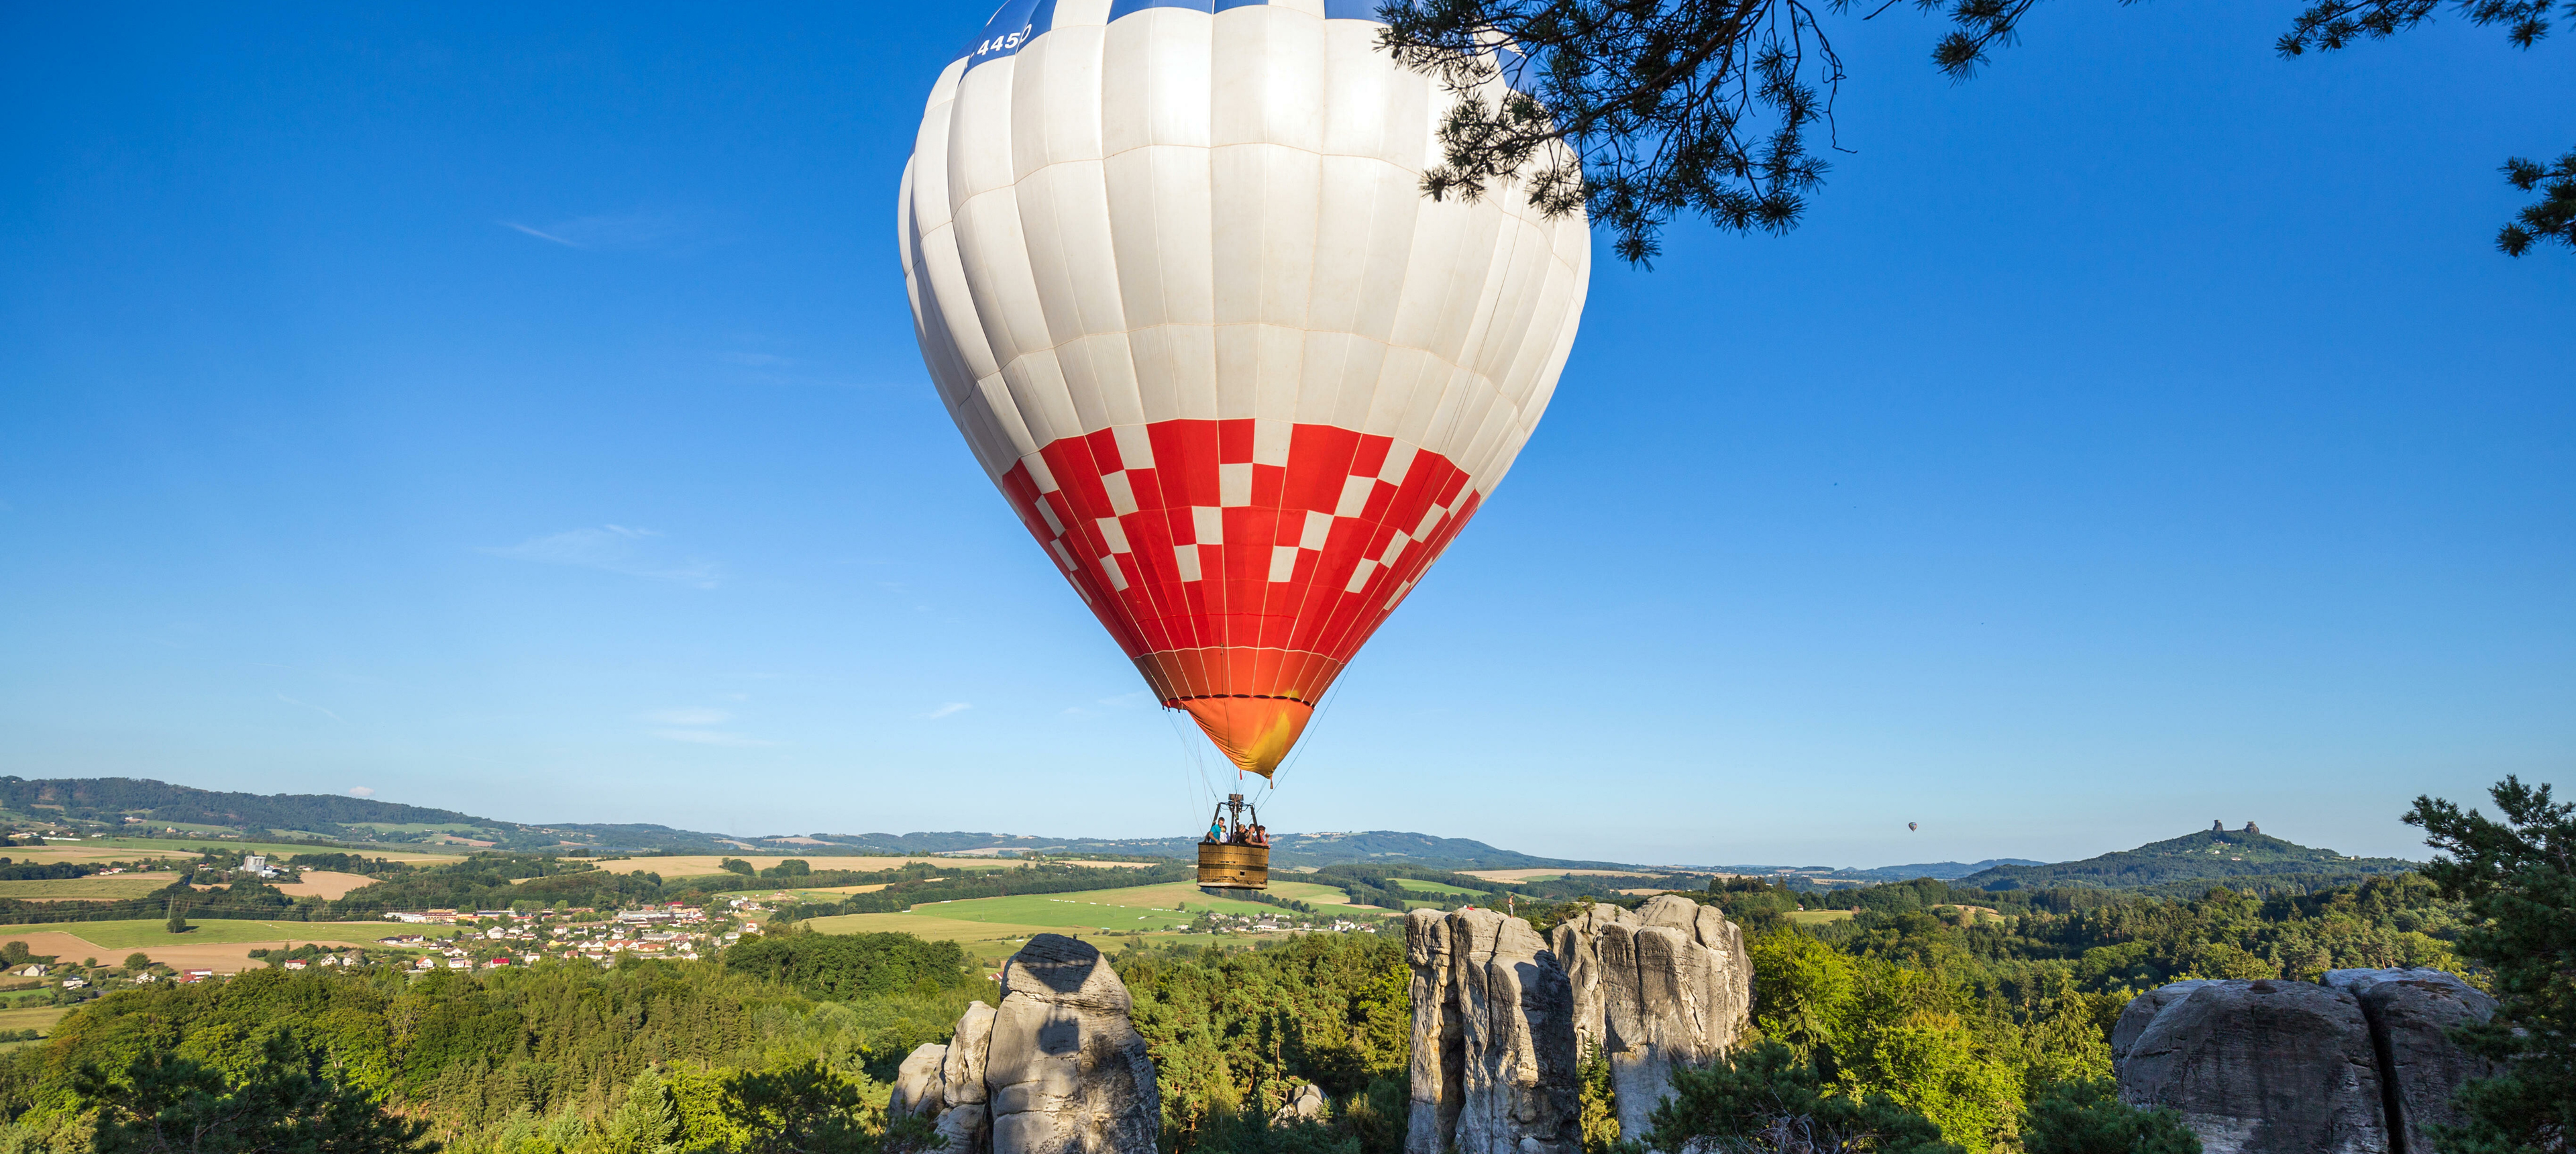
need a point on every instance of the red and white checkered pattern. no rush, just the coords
(1242, 557)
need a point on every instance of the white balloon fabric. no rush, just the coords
(1176, 280)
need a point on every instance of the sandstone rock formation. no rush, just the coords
(1057, 1068)
(967, 1121)
(2262, 1067)
(1308, 1105)
(916, 1082)
(2142, 1010)
(1493, 1038)
(1669, 984)
(2410, 1012)
(2358, 1065)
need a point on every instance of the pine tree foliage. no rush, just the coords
(1633, 110)
(1641, 111)
(2519, 878)
(2554, 217)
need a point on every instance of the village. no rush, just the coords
(496, 939)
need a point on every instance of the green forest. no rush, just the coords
(1961, 1023)
(1931, 1019)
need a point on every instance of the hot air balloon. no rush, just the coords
(1175, 279)
(1912, 826)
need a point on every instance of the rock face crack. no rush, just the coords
(1057, 1068)
(1670, 984)
(1493, 1054)
(2359, 1064)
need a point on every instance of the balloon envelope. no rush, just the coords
(1176, 282)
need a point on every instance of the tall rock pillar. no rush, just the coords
(1670, 984)
(1493, 1038)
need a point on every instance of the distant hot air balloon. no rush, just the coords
(1175, 278)
(1911, 826)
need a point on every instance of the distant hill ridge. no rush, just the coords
(104, 804)
(2210, 855)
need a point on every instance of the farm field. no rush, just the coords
(32, 1018)
(147, 935)
(325, 884)
(1422, 887)
(985, 924)
(708, 865)
(1533, 875)
(224, 953)
(91, 889)
(1818, 917)
(129, 848)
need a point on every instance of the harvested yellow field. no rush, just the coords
(1524, 875)
(700, 866)
(181, 952)
(326, 884)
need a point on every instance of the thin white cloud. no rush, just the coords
(615, 549)
(951, 709)
(309, 705)
(711, 737)
(627, 231)
(687, 716)
(537, 234)
(361, 791)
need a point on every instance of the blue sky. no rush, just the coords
(517, 411)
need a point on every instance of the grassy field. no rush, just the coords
(147, 933)
(91, 889)
(32, 1018)
(107, 848)
(1423, 887)
(1818, 917)
(991, 927)
(672, 868)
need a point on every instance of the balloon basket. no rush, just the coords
(1228, 866)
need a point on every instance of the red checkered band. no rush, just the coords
(1240, 558)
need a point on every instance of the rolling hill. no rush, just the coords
(2210, 856)
(135, 805)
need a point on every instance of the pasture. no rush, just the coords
(146, 933)
(1412, 885)
(991, 926)
(1818, 917)
(223, 946)
(709, 865)
(114, 887)
(31, 1018)
(96, 849)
